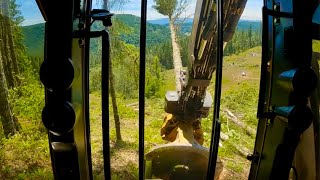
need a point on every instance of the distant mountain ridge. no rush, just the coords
(34, 39)
(187, 26)
(156, 33)
(34, 34)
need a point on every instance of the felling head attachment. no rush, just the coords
(183, 157)
(173, 106)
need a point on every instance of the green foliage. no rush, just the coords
(154, 79)
(18, 36)
(244, 92)
(26, 154)
(164, 51)
(244, 39)
(155, 33)
(126, 70)
(125, 111)
(125, 66)
(15, 13)
(125, 59)
(27, 101)
(165, 7)
(95, 79)
(126, 28)
(32, 66)
(184, 49)
(316, 46)
(243, 99)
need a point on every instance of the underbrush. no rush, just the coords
(242, 99)
(28, 101)
(26, 154)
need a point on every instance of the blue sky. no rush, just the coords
(32, 15)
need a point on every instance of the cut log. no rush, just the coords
(223, 136)
(236, 121)
(242, 150)
(220, 144)
(133, 104)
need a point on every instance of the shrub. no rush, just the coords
(154, 79)
(26, 154)
(28, 101)
(95, 79)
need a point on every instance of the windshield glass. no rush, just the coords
(181, 85)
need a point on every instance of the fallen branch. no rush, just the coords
(242, 151)
(235, 120)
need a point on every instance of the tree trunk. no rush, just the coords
(11, 46)
(177, 64)
(114, 103)
(7, 117)
(6, 57)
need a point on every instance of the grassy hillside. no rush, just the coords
(240, 95)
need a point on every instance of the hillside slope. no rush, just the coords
(34, 39)
(34, 34)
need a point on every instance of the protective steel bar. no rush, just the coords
(142, 85)
(85, 67)
(217, 97)
(105, 103)
(264, 64)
